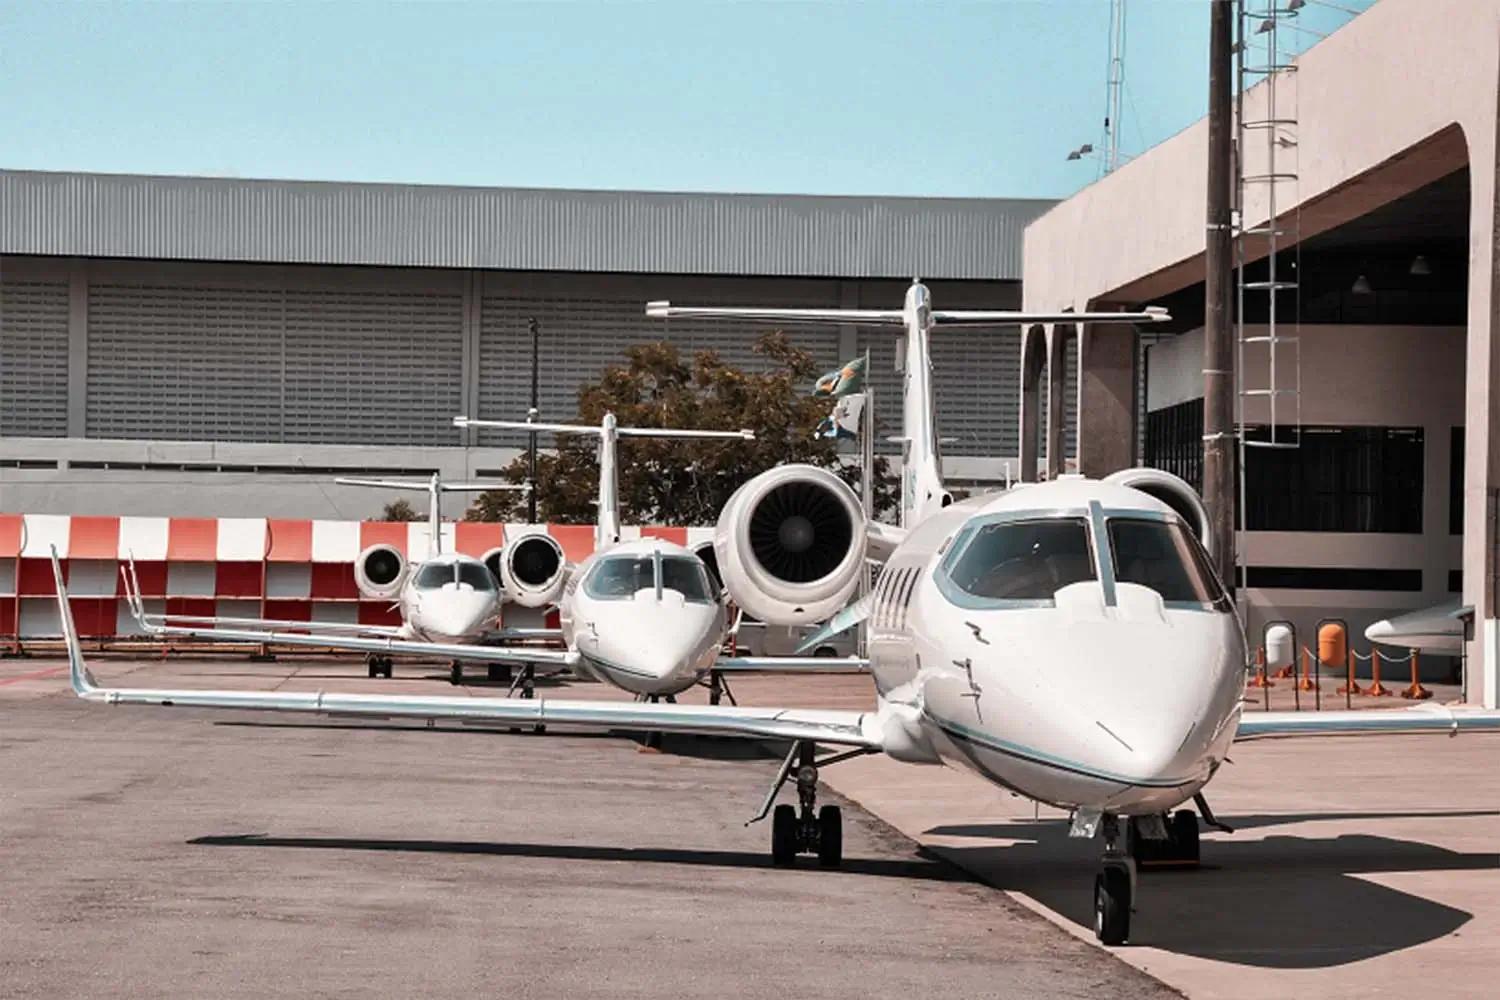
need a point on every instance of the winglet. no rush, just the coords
(84, 684)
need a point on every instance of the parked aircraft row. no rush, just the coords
(1067, 641)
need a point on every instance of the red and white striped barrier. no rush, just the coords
(297, 570)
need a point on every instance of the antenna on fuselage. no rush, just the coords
(607, 528)
(434, 487)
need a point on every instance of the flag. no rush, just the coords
(844, 381)
(844, 422)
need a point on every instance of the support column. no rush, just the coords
(1106, 398)
(1481, 418)
(1033, 360)
(78, 347)
(1057, 374)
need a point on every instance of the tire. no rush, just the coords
(1112, 906)
(456, 674)
(830, 836)
(373, 666)
(1185, 835)
(826, 652)
(784, 835)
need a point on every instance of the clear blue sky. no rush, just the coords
(974, 99)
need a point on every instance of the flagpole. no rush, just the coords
(866, 488)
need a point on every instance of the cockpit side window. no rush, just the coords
(434, 576)
(476, 575)
(1163, 556)
(1024, 560)
(686, 576)
(620, 577)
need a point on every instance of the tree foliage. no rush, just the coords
(401, 510)
(683, 482)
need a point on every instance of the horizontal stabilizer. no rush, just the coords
(858, 317)
(425, 486)
(597, 430)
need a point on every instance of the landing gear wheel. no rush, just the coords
(1185, 836)
(372, 664)
(455, 673)
(1112, 905)
(830, 836)
(784, 835)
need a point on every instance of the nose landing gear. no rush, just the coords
(377, 665)
(1114, 886)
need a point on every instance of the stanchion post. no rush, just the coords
(1376, 689)
(1416, 691)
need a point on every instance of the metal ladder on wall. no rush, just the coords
(1266, 166)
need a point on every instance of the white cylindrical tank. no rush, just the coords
(1281, 646)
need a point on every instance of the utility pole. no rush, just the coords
(1218, 330)
(531, 416)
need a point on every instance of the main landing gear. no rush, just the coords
(804, 828)
(377, 665)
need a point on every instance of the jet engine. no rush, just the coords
(790, 545)
(493, 560)
(533, 571)
(379, 571)
(1173, 492)
(705, 553)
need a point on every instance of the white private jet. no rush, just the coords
(1438, 629)
(1067, 641)
(647, 615)
(449, 603)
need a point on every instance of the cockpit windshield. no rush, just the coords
(1024, 560)
(620, 577)
(436, 575)
(1164, 557)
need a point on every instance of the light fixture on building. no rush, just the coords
(1361, 286)
(1420, 266)
(1295, 5)
(1081, 151)
(1267, 25)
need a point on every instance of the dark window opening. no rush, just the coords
(1456, 481)
(1334, 578)
(1347, 479)
(1174, 441)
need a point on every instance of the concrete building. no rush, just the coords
(1386, 206)
(218, 347)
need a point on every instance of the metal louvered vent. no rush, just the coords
(33, 359)
(364, 365)
(800, 532)
(186, 363)
(582, 337)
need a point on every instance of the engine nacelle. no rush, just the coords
(1172, 491)
(705, 552)
(790, 545)
(379, 571)
(533, 571)
(494, 562)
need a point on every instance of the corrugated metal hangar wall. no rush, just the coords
(324, 355)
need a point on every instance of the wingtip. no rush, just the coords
(658, 309)
(79, 676)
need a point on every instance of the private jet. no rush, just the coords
(449, 603)
(1067, 641)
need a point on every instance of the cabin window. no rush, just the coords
(1024, 560)
(1162, 555)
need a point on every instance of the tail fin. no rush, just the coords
(922, 490)
(609, 432)
(434, 488)
(82, 680)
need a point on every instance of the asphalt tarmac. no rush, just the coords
(179, 853)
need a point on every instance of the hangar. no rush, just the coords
(1369, 163)
(239, 342)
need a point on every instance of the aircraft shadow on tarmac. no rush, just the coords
(920, 868)
(1279, 902)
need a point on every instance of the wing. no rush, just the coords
(1417, 719)
(791, 664)
(841, 622)
(842, 728)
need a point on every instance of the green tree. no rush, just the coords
(401, 510)
(683, 482)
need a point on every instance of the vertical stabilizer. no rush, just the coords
(922, 491)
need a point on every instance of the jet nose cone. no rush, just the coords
(454, 614)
